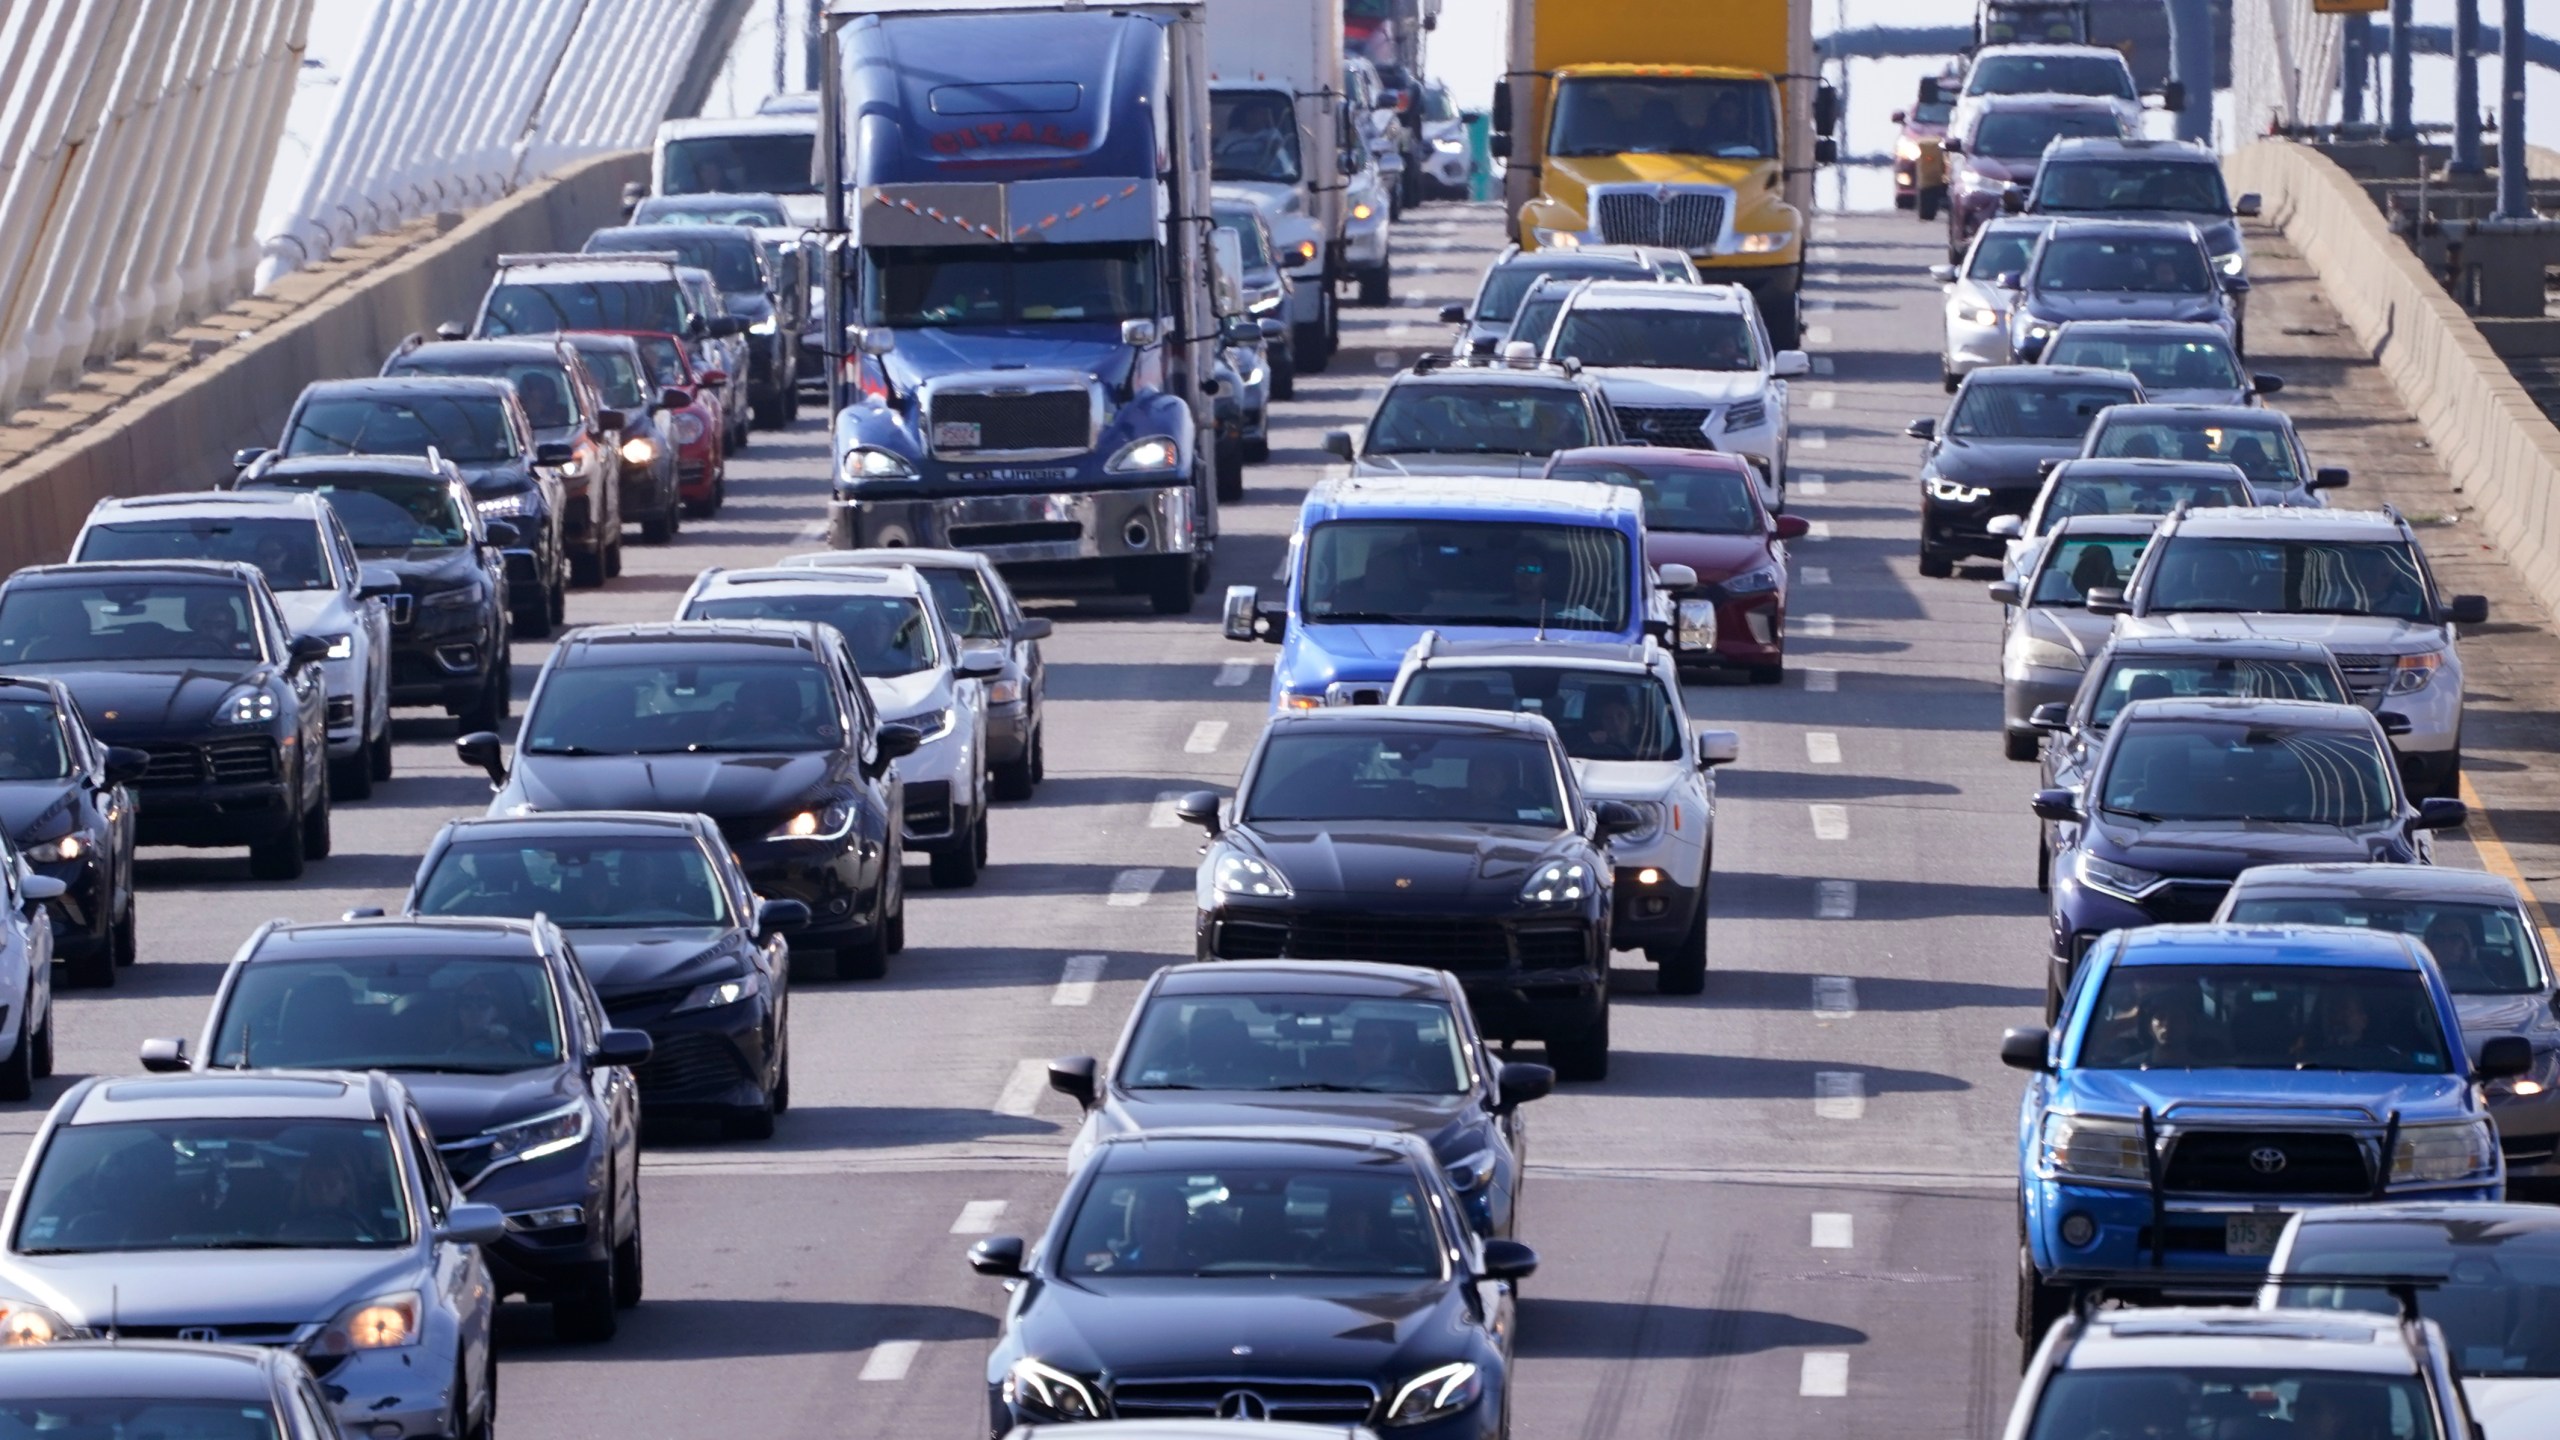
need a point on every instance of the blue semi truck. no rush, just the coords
(1022, 207)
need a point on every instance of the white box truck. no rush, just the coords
(1277, 128)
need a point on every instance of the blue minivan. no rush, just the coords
(1378, 560)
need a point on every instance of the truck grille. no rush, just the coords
(2367, 675)
(1019, 532)
(1042, 420)
(1319, 1402)
(1687, 220)
(2268, 1162)
(1675, 425)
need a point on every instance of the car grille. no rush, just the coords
(249, 760)
(1318, 1402)
(2528, 1149)
(621, 1008)
(928, 809)
(2367, 675)
(1666, 425)
(2267, 1162)
(690, 1062)
(2186, 902)
(1445, 943)
(1041, 420)
(342, 710)
(1549, 949)
(251, 1333)
(1689, 220)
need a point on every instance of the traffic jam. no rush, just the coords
(2285, 1113)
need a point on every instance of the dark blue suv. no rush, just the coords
(2206, 1081)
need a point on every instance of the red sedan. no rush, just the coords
(691, 414)
(1702, 509)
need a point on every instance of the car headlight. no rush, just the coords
(1004, 692)
(2443, 1152)
(384, 1323)
(2542, 1079)
(1746, 415)
(1472, 1172)
(871, 463)
(639, 450)
(1649, 817)
(1436, 1393)
(501, 507)
(689, 427)
(1557, 882)
(1767, 242)
(250, 705)
(1155, 452)
(1266, 304)
(761, 327)
(1557, 239)
(462, 597)
(1049, 1391)
(548, 1133)
(1906, 148)
(23, 1323)
(1363, 210)
(1978, 315)
(341, 647)
(2041, 654)
(932, 724)
(2125, 882)
(2232, 263)
(2411, 673)
(832, 823)
(1303, 253)
(1302, 700)
(716, 993)
(1697, 627)
(1956, 492)
(2092, 1149)
(61, 849)
(1759, 580)
(1237, 874)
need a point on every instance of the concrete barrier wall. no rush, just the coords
(180, 436)
(2502, 452)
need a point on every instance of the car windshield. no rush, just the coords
(286, 549)
(467, 429)
(524, 307)
(1537, 318)
(2481, 948)
(1678, 339)
(2160, 363)
(31, 746)
(1249, 238)
(2247, 772)
(1461, 572)
(2263, 449)
(1664, 115)
(215, 1183)
(782, 164)
(1479, 419)
(1008, 285)
(2499, 1290)
(665, 359)
(542, 386)
(120, 620)
(2031, 411)
(731, 259)
(1406, 773)
(2291, 577)
(2265, 1017)
(2311, 1405)
(1506, 285)
(890, 634)
(1373, 1221)
(2006, 22)
(1933, 112)
(1599, 714)
(2074, 565)
(2138, 264)
(2074, 492)
(2101, 75)
(680, 706)
(1688, 499)
(2091, 186)
(617, 375)
(1436, 104)
(393, 512)
(1253, 136)
(1296, 1042)
(581, 883)
(2001, 252)
(462, 1014)
(2023, 134)
(92, 1418)
(965, 604)
(709, 210)
(2147, 677)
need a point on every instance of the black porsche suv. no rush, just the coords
(1988, 455)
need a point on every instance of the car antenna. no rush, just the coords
(1542, 617)
(114, 1309)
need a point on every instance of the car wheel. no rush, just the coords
(315, 829)
(90, 971)
(41, 1061)
(628, 1259)
(2040, 1306)
(18, 1072)
(613, 556)
(659, 529)
(1769, 674)
(753, 1123)
(955, 866)
(979, 838)
(2021, 744)
(280, 858)
(487, 1425)
(1169, 589)
(1377, 286)
(557, 597)
(1584, 1056)
(377, 755)
(1257, 450)
(1931, 200)
(1934, 565)
(533, 622)
(1284, 373)
(1015, 779)
(1684, 965)
(1949, 379)
(1230, 470)
(353, 777)
(2052, 992)
(587, 1315)
(2044, 867)
(587, 571)
(122, 939)
(497, 697)
(868, 957)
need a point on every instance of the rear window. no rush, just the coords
(2144, 677)
(546, 307)
(542, 386)
(730, 259)
(783, 164)
(464, 429)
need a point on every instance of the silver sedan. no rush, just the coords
(1977, 305)
(2051, 633)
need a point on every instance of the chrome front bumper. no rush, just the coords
(1020, 529)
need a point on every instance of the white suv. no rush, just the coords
(1687, 366)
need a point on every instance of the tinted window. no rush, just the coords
(1669, 339)
(2264, 1017)
(31, 745)
(2165, 266)
(1296, 1042)
(388, 512)
(2238, 771)
(215, 1184)
(2263, 449)
(542, 386)
(2304, 577)
(617, 376)
(1537, 318)
(1454, 572)
(992, 285)
(890, 634)
(2075, 565)
(92, 1418)
(2083, 186)
(465, 429)
(2499, 1290)
(2031, 412)
(2103, 75)
(665, 359)
(286, 549)
(1249, 239)
(1694, 499)
(2023, 134)
(1428, 419)
(2074, 492)
(1253, 137)
(581, 883)
(1505, 284)
(1933, 112)
(731, 259)
(59, 624)
(1599, 714)
(728, 164)
(1373, 1221)
(683, 210)
(1666, 115)
(965, 604)
(2479, 949)
(546, 307)
(610, 708)
(2001, 252)
(474, 1015)
(2142, 677)
(2277, 1404)
(1409, 774)
(2177, 363)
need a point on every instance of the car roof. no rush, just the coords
(397, 935)
(1654, 295)
(394, 386)
(2180, 151)
(586, 268)
(1314, 977)
(700, 635)
(2378, 881)
(2045, 101)
(2163, 329)
(1490, 497)
(2072, 227)
(232, 1094)
(1414, 717)
(71, 572)
(2109, 525)
(579, 822)
(1447, 375)
(806, 579)
(2051, 374)
(923, 556)
(2240, 644)
(2042, 47)
(2223, 1338)
(674, 229)
(1298, 1144)
(616, 340)
(32, 689)
(2255, 944)
(189, 504)
(2290, 522)
(2235, 709)
(512, 347)
(1663, 456)
(140, 1370)
(405, 467)
(1573, 262)
(2005, 223)
(1540, 652)
(2132, 467)
(2166, 411)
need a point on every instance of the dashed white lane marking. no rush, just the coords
(1815, 485)
(1828, 254)
(1822, 747)
(890, 1358)
(1826, 1375)
(1839, 1095)
(1237, 672)
(1835, 997)
(1814, 575)
(1076, 980)
(1823, 364)
(978, 1217)
(1830, 277)
(1817, 335)
(1819, 681)
(1021, 1092)
(1831, 1230)
(1835, 899)
(1817, 530)
(1822, 400)
(815, 532)
(1205, 738)
(1132, 887)
(1830, 822)
(1160, 815)
(1819, 304)
(1812, 440)
(1814, 627)
(1385, 360)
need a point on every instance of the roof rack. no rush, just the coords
(583, 257)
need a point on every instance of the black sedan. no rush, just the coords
(67, 807)
(763, 725)
(506, 1053)
(1275, 1042)
(1987, 456)
(665, 928)
(1307, 1275)
(191, 663)
(1457, 839)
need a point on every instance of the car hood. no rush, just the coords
(458, 1107)
(36, 809)
(2201, 397)
(2513, 1409)
(1182, 1327)
(2009, 170)
(1423, 1115)
(2053, 305)
(1272, 197)
(2222, 849)
(1650, 385)
(932, 352)
(146, 699)
(426, 568)
(902, 695)
(2528, 1015)
(622, 961)
(1714, 557)
(495, 477)
(2349, 633)
(209, 1287)
(721, 786)
(2084, 633)
(1454, 463)
(1985, 294)
(1376, 652)
(314, 612)
(2193, 1095)
(1431, 862)
(1998, 463)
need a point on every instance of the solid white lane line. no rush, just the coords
(1835, 899)
(1160, 815)
(1813, 627)
(1811, 486)
(1826, 1375)
(1830, 822)
(1822, 400)
(1835, 997)
(978, 1217)
(1822, 747)
(889, 1360)
(1237, 672)
(1205, 737)
(1839, 1094)
(1814, 575)
(1022, 1089)
(1076, 980)
(1831, 1230)
(1820, 681)
(1132, 887)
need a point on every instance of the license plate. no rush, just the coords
(2252, 1234)
(956, 434)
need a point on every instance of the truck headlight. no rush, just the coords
(2088, 1148)
(2412, 672)
(2434, 1153)
(931, 724)
(1154, 453)
(383, 1323)
(868, 462)
(1767, 242)
(2125, 882)
(1239, 874)
(23, 1324)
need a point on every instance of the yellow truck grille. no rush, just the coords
(1692, 221)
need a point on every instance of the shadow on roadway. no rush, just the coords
(1754, 1077)
(1617, 1329)
(1740, 783)
(704, 1329)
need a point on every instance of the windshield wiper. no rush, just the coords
(2143, 815)
(569, 750)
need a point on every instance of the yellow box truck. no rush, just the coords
(1668, 122)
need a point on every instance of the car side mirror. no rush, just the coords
(714, 378)
(471, 1223)
(2057, 805)
(2468, 610)
(876, 343)
(1900, 117)
(165, 1056)
(2052, 715)
(373, 582)
(1238, 614)
(980, 664)
(633, 192)
(2106, 600)
(1611, 818)
(1073, 1077)
(36, 889)
(1790, 365)
(243, 459)
(1943, 274)
(2013, 201)
(2006, 527)
(610, 420)
(2329, 477)
(1952, 145)
(554, 452)
(2503, 1057)
(2005, 591)
(1508, 1260)
(1518, 1082)
(1924, 428)
(502, 533)
(999, 1256)
(2441, 813)
(453, 330)
(1672, 575)
(896, 742)
(2266, 384)
(485, 750)
(2024, 1047)
(1138, 334)
(1034, 627)
(780, 917)
(621, 1047)
(304, 650)
(1453, 314)
(1718, 747)
(126, 764)
(1789, 527)
(2173, 96)
(1200, 808)
(2248, 206)
(672, 398)
(1337, 443)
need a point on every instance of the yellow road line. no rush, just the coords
(2495, 856)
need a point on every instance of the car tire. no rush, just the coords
(1284, 373)
(587, 1314)
(1231, 470)
(955, 866)
(897, 914)
(1256, 451)
(533, 622)
(378, 755)
(2044, 867)
(1377, 285)
(753, 1123)
(2021, 745)
(352, 779)
(1169, 590)
(1769, 674)
(90, 971)
(2040, 1305)
(868, 957)
(316, 837)
(556, 599)
(629, 1258)
(613, 557)
(121, 938)
(282, 857)
(40, 1060)
(1583, 1057)
(1936, 566)
(18, 1072)
(659, 529)
(2052, 992)
(1949, 379)
(1931, 201)
(1683, 964)
(497, 697)
(1015, 779)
